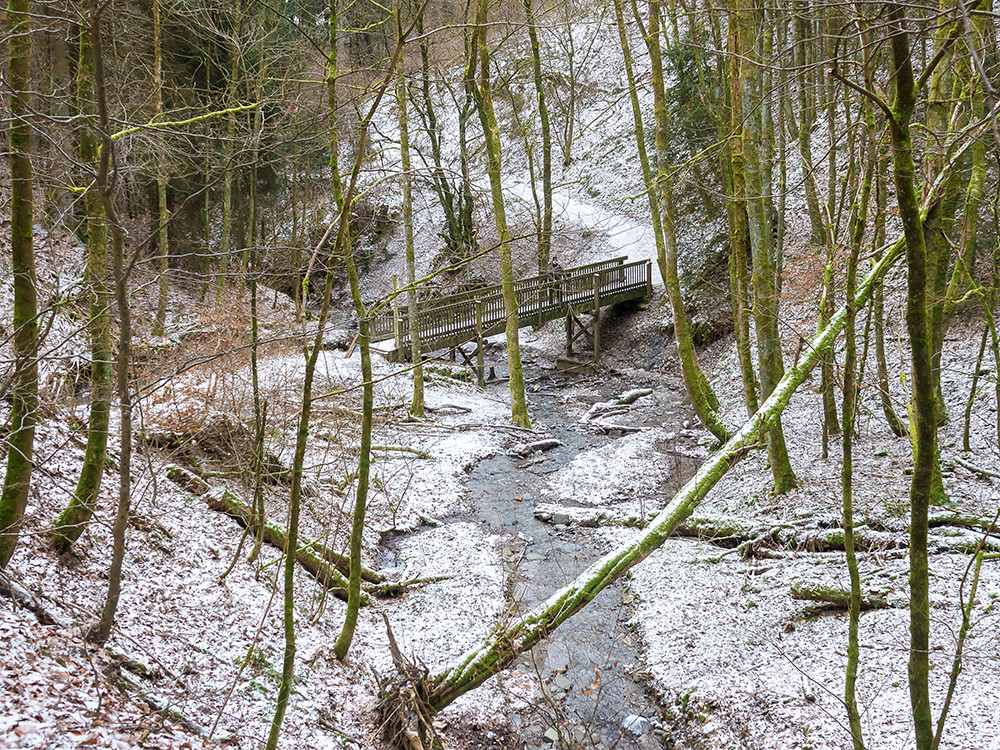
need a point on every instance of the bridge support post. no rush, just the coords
(479, 344)
(597, 317)
(569, 331)
(397, 326)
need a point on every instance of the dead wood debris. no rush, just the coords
(404, 711)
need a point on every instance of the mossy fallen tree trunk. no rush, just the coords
(835, 596)
(755, 539)
(507, 641)
(224, 501)
(323, 563)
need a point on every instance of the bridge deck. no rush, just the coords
(450, 321)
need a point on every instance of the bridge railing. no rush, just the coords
(464, 315)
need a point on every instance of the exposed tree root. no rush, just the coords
(405, 714)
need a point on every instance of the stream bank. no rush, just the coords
(592, 690)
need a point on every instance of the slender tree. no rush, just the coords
(545, 230)
(639, 131)
(163, 214)
(747, 171)
(924, 401)
(417, 407)
(226, 234)
(699, 390)
(14, 496)
(479, 56)
(719, 86)
(70, 523)
(102, 630)
(897, 425)
(858, 220)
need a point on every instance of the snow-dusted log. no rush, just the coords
(224, 501)
(836, 596)
(630, 397)
(506, 642)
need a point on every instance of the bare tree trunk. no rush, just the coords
(482, 94)
(571, 67)
(102, 631)
(739, 229)
(699, 390)
(545, 233)
(226, 239)
(354, 599)
(14, 497)
(71, 522)
(253, 270)
(973, 389)
(924, 401)
(458, 237)
(163, 216)
(640, 132)
(417, 407)
(766, 304)
(897, 426)
(858, 220)
(802, 132)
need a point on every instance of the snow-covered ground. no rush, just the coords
(732, 658)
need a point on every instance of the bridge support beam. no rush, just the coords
(591, 332)
(480, 374)
(397, 324)
(597, 317)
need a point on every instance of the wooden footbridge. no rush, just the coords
(449, 322)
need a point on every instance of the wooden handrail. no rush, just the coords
(540, 298)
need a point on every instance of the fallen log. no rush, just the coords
(836, 597)
(733, 533)
(187, 480)
(225, 501)
(604, 427)
(615, 406)
(976, 523)
(508, 640)
(976, 469)
(193, 483)
(15, 591)
(633, 395)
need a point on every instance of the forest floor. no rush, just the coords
(713, 651)
(724, 655)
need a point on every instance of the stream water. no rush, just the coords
(592, 694)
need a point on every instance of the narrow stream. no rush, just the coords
(593, 694)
